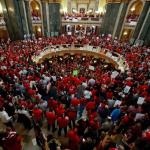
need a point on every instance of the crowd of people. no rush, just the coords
(93, 108)
(132, 18)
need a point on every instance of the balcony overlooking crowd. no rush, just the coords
(82, 16)
(132, 18)
(36, 17)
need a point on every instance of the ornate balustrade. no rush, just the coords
(114, 58)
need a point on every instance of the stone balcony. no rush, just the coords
(82, 20)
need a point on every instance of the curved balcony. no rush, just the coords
(117, 60)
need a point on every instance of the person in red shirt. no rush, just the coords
(37, 115)
(12, 141)
(62, 124)
(51, 117)
(74, 139)
(72, 114)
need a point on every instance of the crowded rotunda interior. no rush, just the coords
(74, 74)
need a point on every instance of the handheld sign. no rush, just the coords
(91, 68)
(75, 72)
(127, 89)
(140, 100)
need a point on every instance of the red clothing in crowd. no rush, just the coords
(37, 114)
(52, 103)
(60, 110)
(63, 122)
(51, 117)
(72, 114)
(74, 140)
(12, 142)
(109, 95)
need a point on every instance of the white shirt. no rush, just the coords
(87, 94)
(4, 116)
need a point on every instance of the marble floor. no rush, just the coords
(28, 137)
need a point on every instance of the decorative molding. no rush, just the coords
(83, 1)
(54, 1)
(117, 1)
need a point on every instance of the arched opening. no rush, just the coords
(37, 29)
(134, 12)
(131, 19)
(126, 34)
(36, 18)
(35, 11)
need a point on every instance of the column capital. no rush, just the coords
(54, 1)
(116, 1)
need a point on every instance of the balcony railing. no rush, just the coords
(36, 20)
(131, 20)
(82, 19)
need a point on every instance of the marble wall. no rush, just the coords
(110, 18)
(54, 18)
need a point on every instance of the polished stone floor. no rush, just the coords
(28, 137)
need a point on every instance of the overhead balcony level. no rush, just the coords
(73, 20)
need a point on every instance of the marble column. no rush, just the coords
(144, 13)
(121, 17)
(54, 17)
(23, 17)
(28, 15)
(144, 34)
(12, 16)
(146, 39)
(45, 21)
(110, 18)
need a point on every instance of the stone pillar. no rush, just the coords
(110, 18)
(45, 21)
(120, 19)
(146, 39)
(14, 23)
(23, 16)
(54, 17)
(15, 17)
(28, 14)
(144, 34)
(143, 23)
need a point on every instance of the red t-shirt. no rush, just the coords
(37, 114)
(72, 114)
(62, 122)
(51, 117)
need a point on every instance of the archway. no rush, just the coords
(133, 12)
(36, 13)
